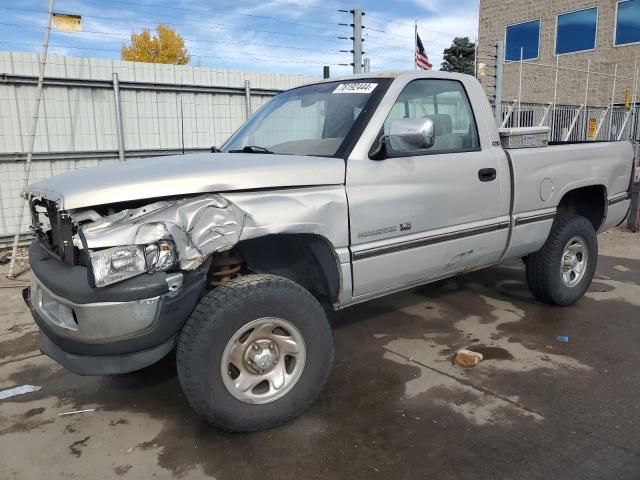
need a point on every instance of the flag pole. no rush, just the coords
(32, 137)
(415, 43)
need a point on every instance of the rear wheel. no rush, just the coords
(255, 353)
(561, 271)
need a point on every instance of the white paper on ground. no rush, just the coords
(21, 390)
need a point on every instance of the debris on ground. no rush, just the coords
(562, 338)
(467, 358)
(21, 390)
(21, 265)
(77, 411)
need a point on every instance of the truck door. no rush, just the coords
(419, 214)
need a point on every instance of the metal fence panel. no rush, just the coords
(166, 109)
(613, 122)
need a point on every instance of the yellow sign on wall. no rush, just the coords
(627, 98)
(593, 125)
(67, 23)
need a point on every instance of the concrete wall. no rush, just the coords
(166, 109)
(539, 75)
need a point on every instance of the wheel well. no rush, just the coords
(307, 259)
(588, 202)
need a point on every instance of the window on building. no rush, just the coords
(576, 31)
(628, 22)
(522, 38)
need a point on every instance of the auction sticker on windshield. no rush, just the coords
(355, 87)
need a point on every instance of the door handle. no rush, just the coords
(487, 174)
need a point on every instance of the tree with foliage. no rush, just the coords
(460, 56)
(166, 46)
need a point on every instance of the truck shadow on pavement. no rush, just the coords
(394, 404)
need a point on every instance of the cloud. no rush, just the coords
(436, 31)
(294, 36)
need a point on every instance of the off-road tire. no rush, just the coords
(217, 317)
(544, 266)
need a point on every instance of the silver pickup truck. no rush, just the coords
(333, 193)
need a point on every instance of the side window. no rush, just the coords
(446, 103)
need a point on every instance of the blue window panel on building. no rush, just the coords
(525, 36)
(628, 22)
(576, 31)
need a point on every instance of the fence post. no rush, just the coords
(508, 115)
(586, 100)
(603, 117)
(498, 97)
(545, 114)
(573, 124)
(247, 98)
(119, 124)
(32, 137)
(613, 95)
(520, 88)
(634, 110)
(555, 100)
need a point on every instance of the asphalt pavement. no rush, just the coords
(395, 406)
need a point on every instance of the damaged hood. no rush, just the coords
(187, 174)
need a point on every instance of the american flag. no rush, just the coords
(422, 59)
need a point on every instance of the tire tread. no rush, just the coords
(192, 335)
(541, 266)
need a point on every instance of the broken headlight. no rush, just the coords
(116, 264)
(160, 256)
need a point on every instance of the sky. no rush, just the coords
(268, 36)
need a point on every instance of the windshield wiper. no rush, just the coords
(252, 149)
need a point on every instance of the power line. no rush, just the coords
(207, 26)
(289, 4)
(408, 37)
(121, 35)
(412, 26)
(404, 45)
(304, 5)
(267, 58)
(203, 10)
(219, 26)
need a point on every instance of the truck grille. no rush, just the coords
(53, 229)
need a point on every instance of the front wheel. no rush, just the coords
(254, 353)
(561, 271)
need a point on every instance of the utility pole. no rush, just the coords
(415, 43)
(498, 96)
(475, 60)
(32, 136)
(357, 40)
(367, 65)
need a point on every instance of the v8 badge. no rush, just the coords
(405, 226)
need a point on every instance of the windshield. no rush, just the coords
(311, 120)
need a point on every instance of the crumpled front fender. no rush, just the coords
(198, 226)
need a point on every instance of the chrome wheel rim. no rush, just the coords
(574, 261)
(263, 360)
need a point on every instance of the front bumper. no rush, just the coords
(118, 335)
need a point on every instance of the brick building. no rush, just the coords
(576, 35)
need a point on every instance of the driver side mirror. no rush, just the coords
(406, 134)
